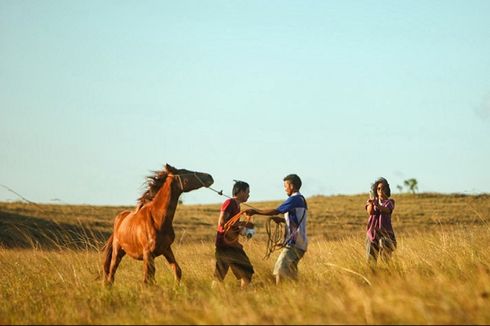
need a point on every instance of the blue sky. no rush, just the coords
(96, 94)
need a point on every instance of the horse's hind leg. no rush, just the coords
(117, 255)
(173, 263)
(149, 267)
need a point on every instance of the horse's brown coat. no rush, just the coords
(147, 231)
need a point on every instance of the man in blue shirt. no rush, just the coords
(295, 215)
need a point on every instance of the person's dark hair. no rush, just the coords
(294, 179)
(239, 186)
(385, 184)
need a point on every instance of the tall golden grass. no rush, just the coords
(50, 267)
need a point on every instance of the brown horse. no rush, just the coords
(147, 231)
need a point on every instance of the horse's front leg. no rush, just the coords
(149, 267)
(169, 255)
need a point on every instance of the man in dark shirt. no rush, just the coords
(229, 252)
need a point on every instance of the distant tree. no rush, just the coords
(411, 185)
(400, 188)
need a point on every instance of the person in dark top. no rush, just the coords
(229, 252)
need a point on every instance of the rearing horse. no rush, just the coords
(147, 231)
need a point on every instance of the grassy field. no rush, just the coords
(50, 267)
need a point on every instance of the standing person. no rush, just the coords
(230, 254)
(380, 235)
(295, 216)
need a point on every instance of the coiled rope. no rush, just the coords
(230, 233)
(275, 236)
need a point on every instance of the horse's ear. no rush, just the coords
(169, 168)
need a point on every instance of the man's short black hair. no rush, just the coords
(239, 186)
(294, 179)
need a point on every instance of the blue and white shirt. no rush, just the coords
(295, 212)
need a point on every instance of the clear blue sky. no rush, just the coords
(96, 94)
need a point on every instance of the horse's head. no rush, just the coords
(189, 180)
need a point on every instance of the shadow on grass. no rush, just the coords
(22, 231)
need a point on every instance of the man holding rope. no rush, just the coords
(295, 216)
(229, 252)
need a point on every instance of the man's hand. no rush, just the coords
(278, 219)
(251, 212)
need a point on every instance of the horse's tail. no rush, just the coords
(108, 255)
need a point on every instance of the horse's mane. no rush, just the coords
(154, 183)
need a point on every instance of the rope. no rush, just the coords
(273, 243)
(228, 227)
(220, 192)
(275, 236)
(225, 195)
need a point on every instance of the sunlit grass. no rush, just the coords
(439, 274)
(439, 278)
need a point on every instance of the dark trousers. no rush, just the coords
(234, 258)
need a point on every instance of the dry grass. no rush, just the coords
(440, 274)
